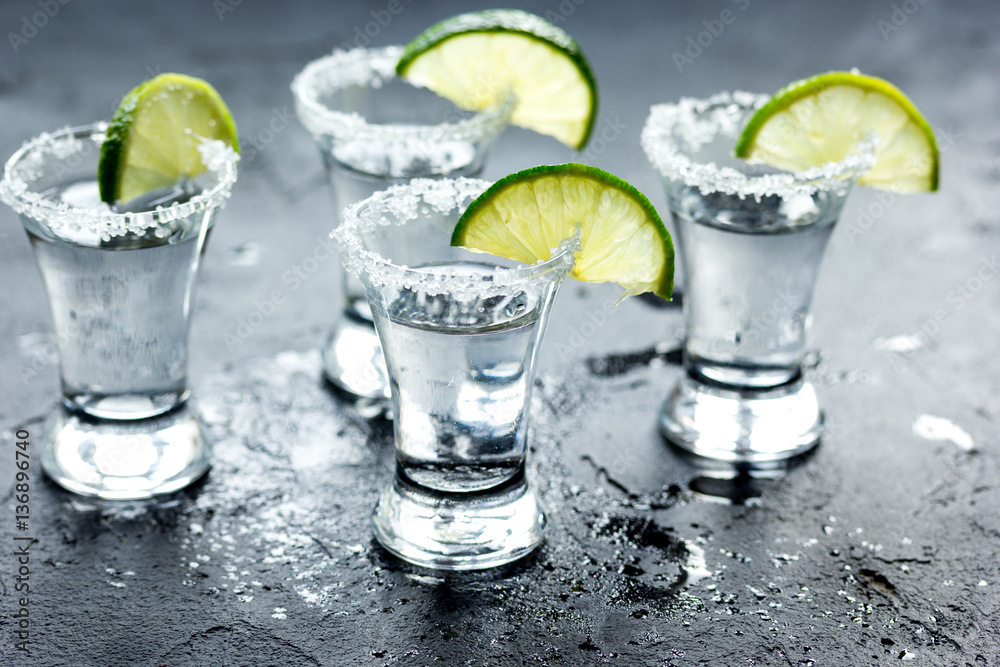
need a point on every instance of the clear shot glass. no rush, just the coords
(752, 239)
(460, 332)
(375, 130)
(119, 285)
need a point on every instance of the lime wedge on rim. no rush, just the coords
(152, 140)
(476, 59)
(821, 119)
(622, 239)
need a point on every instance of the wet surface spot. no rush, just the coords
(612, 365)
(245, 254)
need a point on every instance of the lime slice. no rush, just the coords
(476, 59)
(152, 141)
(821, 119)
(622, 239)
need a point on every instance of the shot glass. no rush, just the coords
(119, 286)
(375, 130)
(460, 332)
(752, 239)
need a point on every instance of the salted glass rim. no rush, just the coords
(696, 121)
(404, 203)
(28, 163)
(373, 68)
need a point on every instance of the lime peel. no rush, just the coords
(103, 223)
(400, 204)
(477, 59)
(153, 139)
(821, 118)
(622, 238)
(672, 130)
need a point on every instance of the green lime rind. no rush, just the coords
(507, 21)
(805, 88)
(639, 254)
(152, 139)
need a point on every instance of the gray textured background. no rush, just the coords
(880, 547)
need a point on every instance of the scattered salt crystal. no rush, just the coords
(901, 343)
(308, 596)
(939, 428)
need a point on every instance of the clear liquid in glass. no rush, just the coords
(462, 387)
(120, 309)
(751, 269)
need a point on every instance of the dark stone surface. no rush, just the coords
(881, 547)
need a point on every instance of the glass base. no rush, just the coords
(353, 361)
(742, 425)
(123, 406)
(458, 531)
(124, 460)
